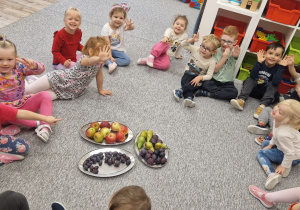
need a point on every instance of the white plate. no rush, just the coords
(105, 170)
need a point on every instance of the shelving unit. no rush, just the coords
(215, 8)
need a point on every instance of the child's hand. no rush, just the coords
(105, 92)
(51, 120)
(196, 80)
(29, 63)
(236, 51)
(67, 63)
(180, 57)
(280, 170)
(291, 60)
(284, 61)
(268, 147)
(260, 56)
(195, 37)
(165, 39)
(129, 24)
(104, 54)
(226, 53)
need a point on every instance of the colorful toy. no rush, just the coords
(250, 4)
(186, 1)
(271, 38)
(196, 4)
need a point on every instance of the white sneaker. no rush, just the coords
(112, 67)
(286, 172)
(272, 180)
(188, 102)
(255, 129)
(43, 134)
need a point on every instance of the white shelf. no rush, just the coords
(234, 8)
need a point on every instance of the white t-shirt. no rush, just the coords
(174, 40)
(116, 37)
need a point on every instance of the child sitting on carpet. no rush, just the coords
(162, 52)
(13, 70)
(284, 147)
(12, 148)
(269, 199)
(200, 68)
(114, 35)
(66, 42)
(72, 83)
(264, 78)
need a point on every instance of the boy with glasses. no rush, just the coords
(200, 68)
(221, 85)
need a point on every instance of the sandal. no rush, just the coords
(43, 134)
(10, 130)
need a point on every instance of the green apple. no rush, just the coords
(90, 132)
(115, 126)
(105, 131)
(98, 137)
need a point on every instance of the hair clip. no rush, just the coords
(123, 5)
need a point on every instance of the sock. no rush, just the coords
(151, 56)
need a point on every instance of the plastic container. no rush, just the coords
(193, 3)
(258, 44)
(222, 22)
(246, 67)
(285, 84)
(294, 49)
(284, 11)
(186, 1)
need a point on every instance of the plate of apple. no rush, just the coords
(106, 133)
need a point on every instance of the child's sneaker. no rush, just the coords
(188, 102)
(57, 206)
(8, 158)
(260, 195)
(201, 92)
(42, 132)
(259, 140)
(177, 94)
(150, 60)
(286, 172)
(272, 180)
(258, 129)
(258, 111)
(111, 67)
(142, 61)
(238, 104)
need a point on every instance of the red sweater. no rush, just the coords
(65, 46)
(7, 113)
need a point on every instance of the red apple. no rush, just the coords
(111, 138)
(124, 129)
(115, 126)
(95, 125)
(104, 124)
(90, 132)
(105, 131)
(120, 136)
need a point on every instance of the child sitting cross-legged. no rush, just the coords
(200, 67)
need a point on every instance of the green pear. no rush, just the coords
(149, 135)
(141, 140)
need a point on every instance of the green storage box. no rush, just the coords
(246, 67)
(294, 49)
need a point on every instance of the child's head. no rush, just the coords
(119, 12)
(180, 23)
(130, 198)
(93, 44)
(8, 55)
(209, 45)
(229, 37)
(274, 52)
(287, 112)
(72, 19)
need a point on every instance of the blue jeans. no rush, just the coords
(122, 59)
(266, 156)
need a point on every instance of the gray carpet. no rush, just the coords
(212, 159)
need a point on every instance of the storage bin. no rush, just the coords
(284, 11)
(258, 44)
(222, 22)
(246, 67)
(294, 49)
(285, 84)
(186, 1)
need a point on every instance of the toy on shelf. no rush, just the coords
(197, 4)
(234, 2)
(266, 37)
(250, 4)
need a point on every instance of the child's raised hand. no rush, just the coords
(261, 56)
(236, 51)
(284, 61)
(291, 60)
(195, 37)
(105, 92)
(196, 80)
(129, 24)
(104, 54)
(29, 63)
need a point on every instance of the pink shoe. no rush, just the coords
(112, 67)
(8, 158)
(150, 60)
(260, 195)
(10, 130)
(142, 61)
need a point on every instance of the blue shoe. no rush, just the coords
(57, 206)
(177, 94)
(188, 102)
(201, 93)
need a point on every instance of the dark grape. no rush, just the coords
(154, 157)
(158, 160)
(118, 157)
(98, 158)
(95, 171)
(147, 156)
(127, 158)
(109, 162)
(155, 137)
(150, 152)
(115, 153)
(162, 154)
(163, 160)
(161, 150)
(123, 160)
(150, 161)
(156, 152)
(159, 140)
(113, 160)
(143, 152)
(117, 163)
(128, 162)
(153, 141)
(100, 163)
(108, 156)
(85, 167)
(96, 167)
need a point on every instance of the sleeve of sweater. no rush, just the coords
(168, 32)
(287, 147)
(277, 77)
(210, 70)
(254, 72)
(56, 48)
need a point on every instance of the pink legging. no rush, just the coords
(41, 101)
(291, 195)
(161, 58)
